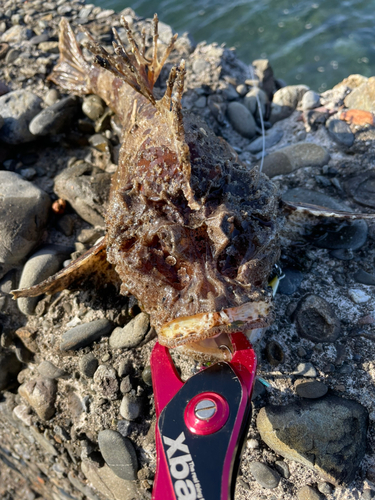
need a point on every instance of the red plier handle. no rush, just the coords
(201, 424)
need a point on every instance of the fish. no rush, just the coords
(191, 232)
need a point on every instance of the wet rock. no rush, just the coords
(9, 368)
(272, 137)
(93, 107)
(106, 380)
(264, 475)
(310, 100)
(147, 376)
(23, 216)
(362, 97)
(43, 264)
(311, 390)
(316, 320)
(290, 95)
(363, 277)
(341, 133)
(119, 454)
(88, 365)
(131, 407)
(291, 158)
(362, 188)
(40, 393)
(241, 119)
(264, 72)
(131, 334)
(308, 493)
(49, 370)
(86, 189)
(86, 334)
(274, 353)
(109, 484)
(358, 296)
(291, 281)
(55, 118)
(18, 108)
(300, 431)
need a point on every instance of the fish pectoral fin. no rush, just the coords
(132, 66)
(318, 211)
(91, 264)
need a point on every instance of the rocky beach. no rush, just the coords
(77, 414)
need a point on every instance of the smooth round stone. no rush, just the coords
(241, 119)
(88, 365)
(55, 118)
(311, 390)
(316, 320)
(290, 95)
(24, 212)
(43, 264)
(364, 278)
(119, 454)
(272, 137)
(230, 93)
(84, 335)
(308, 493)
(274, 353)
(291, 158)
(251, 101)
(306, 369)
(18, 108)
(341, 133)
(131, 407)
(93, 107)
(49, 370)
(310, 100)
(147, 375)
(131, 334)
(264, 475)
(325, 488)
(290, 282)
(12, 55)
(40, 393)
(358, 296)
(126, 385)
(52, 96)
(241, 89)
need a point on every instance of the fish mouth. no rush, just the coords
(206, 334)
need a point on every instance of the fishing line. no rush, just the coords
(261, 122)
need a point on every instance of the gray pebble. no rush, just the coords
(264, 475)
(43, 264)
(341, 133)
(230, 93)
(367, 494)
(126, 385)
(40, 393)
(316, 320)
(131, 334)
(125, 368)
(23, 216)
(271, 138)
(325, 488)
(364, 278)
(49, 370)
(147, 376)
(106, 381)
(251, 101)
(52, 96)
(311, 390)
(310, 100)
(124, 427)
(86, 334)
(119, 454)
(88, 365)
(18, 108)
(282, 468)
(12, 55)
(290, 282)
(306, 369)
(93, 107)
(308, 493)
(55, 118)
(241, 119)
(131, 407)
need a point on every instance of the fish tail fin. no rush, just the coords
(132, 66)
(71, 71)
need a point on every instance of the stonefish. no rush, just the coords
(191, 232)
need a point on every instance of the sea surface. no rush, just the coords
(316, 43)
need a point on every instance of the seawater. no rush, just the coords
(317, 43)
